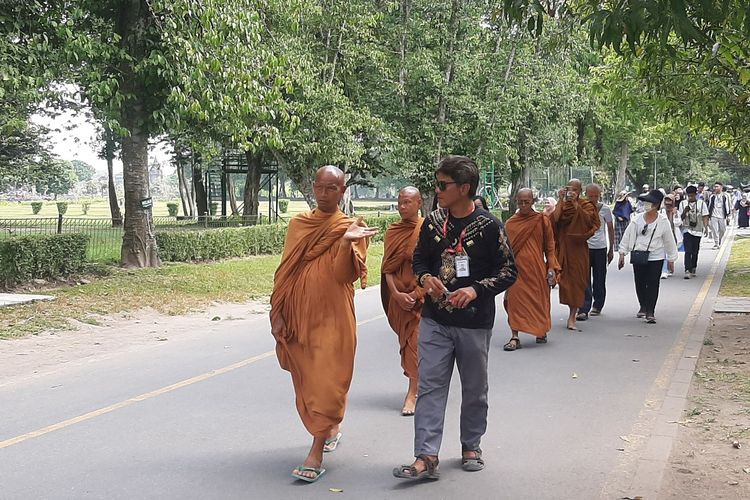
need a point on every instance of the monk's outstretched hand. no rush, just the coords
(359, 230)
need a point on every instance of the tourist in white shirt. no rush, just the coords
(649, 232)
(694, 214)
(718, 208)
(673, 216)
(601, 253)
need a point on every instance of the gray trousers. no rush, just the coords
(718, 228)
(439, 347)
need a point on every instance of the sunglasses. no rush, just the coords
(643, 231)
(443, 185)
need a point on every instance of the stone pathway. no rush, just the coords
(739, 305)
(12, 299)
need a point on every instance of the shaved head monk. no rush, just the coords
(575, 221)
(402, 297)
(312, 313)
(533, 242)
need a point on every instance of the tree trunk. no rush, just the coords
(454, 24)
(201, 197)
(599, 146)
(405, 11)
(232, 195)
(252, 187)
(138, 242)
(580, 138)
(622, 167)
(109, 155)
(186, 197)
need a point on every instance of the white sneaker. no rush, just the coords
(664, 276)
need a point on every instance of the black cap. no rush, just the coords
(654, 196)
(691, 189)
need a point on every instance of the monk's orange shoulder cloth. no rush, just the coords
(308, 237)
(400, 241)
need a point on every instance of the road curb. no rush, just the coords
(641, 472)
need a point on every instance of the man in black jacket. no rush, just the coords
(462, 260)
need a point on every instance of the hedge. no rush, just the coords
(46, 256)
(214, 244)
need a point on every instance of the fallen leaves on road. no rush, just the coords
(625, 438)
(336, 490)
(575, 375)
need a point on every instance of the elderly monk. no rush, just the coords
(312, 313)
(402, 298)
(533, 242)
(575, 221)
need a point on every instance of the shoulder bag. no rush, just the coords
(640, 257)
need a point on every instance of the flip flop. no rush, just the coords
(332, 443)
(319, 472)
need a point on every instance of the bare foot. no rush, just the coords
(410, 403)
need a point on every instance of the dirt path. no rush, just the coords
(38, 355)
(704, 462)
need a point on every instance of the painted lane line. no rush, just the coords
(149, 395)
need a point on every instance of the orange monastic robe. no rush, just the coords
(400, 242)
(577, 223)
(313, 293)
(527, 301)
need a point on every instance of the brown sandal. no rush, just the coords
(410, 471)
(513, 344)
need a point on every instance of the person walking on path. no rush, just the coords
(669, 210)
(649, 240)
(622, 213)
(742, 206)
(601, 253)
(312, 313)
(462, 260)
(402, 298)
(718, 208)
(533, 242)
(575, 221)
(695, 215)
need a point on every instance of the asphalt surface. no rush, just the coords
(120, 429)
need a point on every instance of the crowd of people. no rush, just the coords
(440, 277)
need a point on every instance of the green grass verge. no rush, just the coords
(736, 282)
(170, 289)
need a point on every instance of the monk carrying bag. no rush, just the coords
(640, 257)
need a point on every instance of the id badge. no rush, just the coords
(462, 266)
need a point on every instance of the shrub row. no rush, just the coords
(46, 256)
(212, 244)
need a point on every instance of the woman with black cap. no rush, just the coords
(649, 240)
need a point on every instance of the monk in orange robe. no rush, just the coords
(533, 242)
(575, 221)
(402, 298)
(312, 313)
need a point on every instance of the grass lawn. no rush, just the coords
(171, 289)
(736, 282)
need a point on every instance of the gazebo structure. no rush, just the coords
(234, 161)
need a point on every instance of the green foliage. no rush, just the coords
(55, 177)
(283, 206)
(214, 207)
(44, 256)
(214, 244)
(36, 207)
(62, 207)
(173, 208)
(84, 171)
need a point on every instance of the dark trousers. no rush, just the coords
(647, 278)
(692, 246)
(597, 289)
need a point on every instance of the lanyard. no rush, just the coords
(459, 246)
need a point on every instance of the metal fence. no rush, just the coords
(105, 238)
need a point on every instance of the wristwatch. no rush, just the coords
(422, 278)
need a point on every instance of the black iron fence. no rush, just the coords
(105, 238)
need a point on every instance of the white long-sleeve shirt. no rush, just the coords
(662, 245)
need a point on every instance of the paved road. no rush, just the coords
(161, 422)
